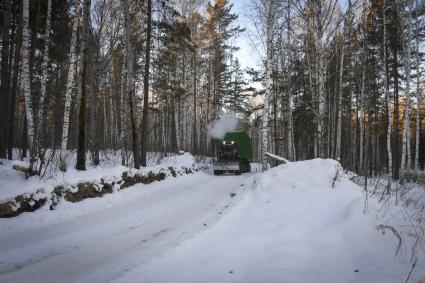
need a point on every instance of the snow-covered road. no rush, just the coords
(88, 243)
(299, 222)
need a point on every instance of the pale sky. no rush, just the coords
(246, 55)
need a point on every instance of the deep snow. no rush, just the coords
(97, 240)
(294, 227)
(285, 225)
(13, 183)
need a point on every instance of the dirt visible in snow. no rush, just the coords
(83, 190)
(140, 178)
(22, 203)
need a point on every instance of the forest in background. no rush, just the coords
(338, 79)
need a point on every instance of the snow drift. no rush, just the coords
(90, 185)
(295, 226)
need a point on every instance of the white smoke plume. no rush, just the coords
(218, 128)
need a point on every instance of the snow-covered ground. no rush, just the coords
(98, 240)
(14, 183)
(288, 224)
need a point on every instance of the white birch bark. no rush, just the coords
(290, 129)
(270, 11)
(362, 94)
(320, 67)
(69, 87)
(321, 98)
(405, 156)
(418, 98)
(339, 120)
(314, 99)
(26, 78)
(361, 115)
(123, 111)
(387, 95)
(44, 77)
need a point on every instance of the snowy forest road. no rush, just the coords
(105, 244)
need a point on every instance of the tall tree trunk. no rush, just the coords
(26, 81)
(321, 69)
(270, 10)
(339, 117)
(290, 129)
(14, 86)
(387, 94)
(40, 116)
(130, 81)
(123, 112)
(5, 77)
(69, 88)
(146, 84)
(397, 162)
(362, 95)
(418, 96)
(81, 148)
(405, 156)
(194, 125)
(34, 37)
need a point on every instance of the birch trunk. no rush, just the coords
(146, 84)
(321, 101)
(339, 118)
(387, 95)
(418, 98)
(290, 133)
(69, 88)
(26, 80)
(194, 133)
(362, 94)
(123, 112)
(43, 80)
(269, 5)
(361, 116)
(405, 156)
(314, 102)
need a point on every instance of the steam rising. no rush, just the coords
(218, 128)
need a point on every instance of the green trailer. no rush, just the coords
(233, 154)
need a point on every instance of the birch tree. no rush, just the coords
(321, 69)
(69, 88)
(340, 93)
(320, 24)
(361, 103)
(123, 115)
(26, 80)
(146, 84)
(418, 93)
(386, 91)
(405, 157)
(290, 127)
(269, 6)
(43, 81)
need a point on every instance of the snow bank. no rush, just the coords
(185, 160)
(294, 227)
(77, 185)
